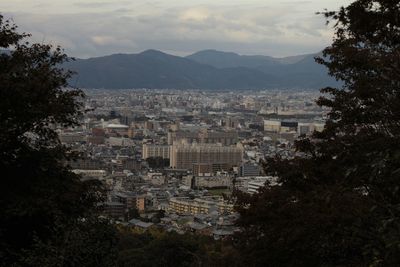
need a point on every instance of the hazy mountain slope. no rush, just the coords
(220, 59)
(154, 69)
(292, 72)
(208, 69)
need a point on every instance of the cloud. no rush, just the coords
(102, 39)
(195, 14)
(276, 30)
(99, 4)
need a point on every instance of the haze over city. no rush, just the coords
(96, 28)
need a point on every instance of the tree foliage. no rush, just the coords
(340, 204)
(41, 200)
(160, 248)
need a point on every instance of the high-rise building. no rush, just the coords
(185, 155)
(155, 151)
(207, 137)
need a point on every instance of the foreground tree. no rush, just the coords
(340, 205)
(161, 248)
(45, 208)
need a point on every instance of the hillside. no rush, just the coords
(203, 70)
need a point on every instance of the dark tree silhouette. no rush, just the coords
(339, 205)
(42, 202)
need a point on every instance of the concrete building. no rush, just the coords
(155, 151)
(184, 155)
(96, 140)
(204, 136)
(303, 128)
(72, 137)
(252, 184)
(114, 209)
(208, 169)
(186, 205)
(212, 182)
(272, 126)
(201, 169)
(98, 174)
(288, 126)
(120, 141)
(85, 164)
(249, 169)
(119, 129)
(130, 200)
(276, 126)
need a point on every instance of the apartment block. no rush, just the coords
(184, 155)
(155, 151)
(207, 137)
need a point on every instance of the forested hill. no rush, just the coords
(207, 69)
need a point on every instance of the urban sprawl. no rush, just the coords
(171, 159)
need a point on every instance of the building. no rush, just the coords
(249, 169)
(72, 137)
(120, 141)
(303, 128)
(207, 169)
(96, 140)
(130, 164)
(98, 136)
(119, 129)
(114, 209)
(272, 126)
(252, 184)
(255, 184)
(201, 169)
(156, 179)
(288, 126)
(207, 137)
(212, 181)
(85, 164)
(98, 174)
(139, 225)
(184, 155)
(130, 200)
(184, 205)
(155, 151)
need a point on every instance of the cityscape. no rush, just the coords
(184, 153)
(200, 133)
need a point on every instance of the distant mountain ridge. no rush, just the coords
(208, 69)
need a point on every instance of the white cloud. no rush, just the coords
(99, 27)
(195, 14)
(102, 39)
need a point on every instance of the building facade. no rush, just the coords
(155, 151)
(207, 137)
(198, 206)
(184, 155)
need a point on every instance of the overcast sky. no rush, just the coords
(89, 28)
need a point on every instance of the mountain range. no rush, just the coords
(208, 69)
